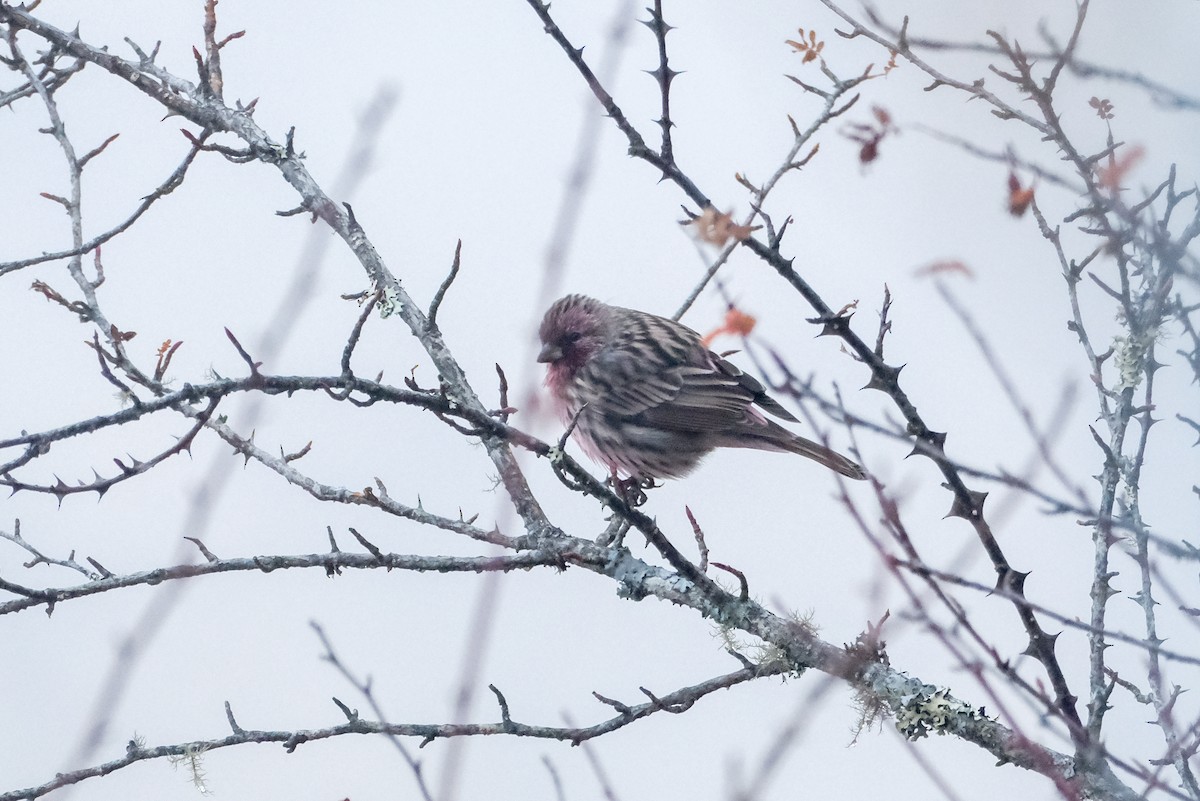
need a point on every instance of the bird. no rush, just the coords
(649, 400)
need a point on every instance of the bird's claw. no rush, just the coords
(632, 490)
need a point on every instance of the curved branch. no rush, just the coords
(428, 732)
(332, 563)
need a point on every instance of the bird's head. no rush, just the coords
(572, 331)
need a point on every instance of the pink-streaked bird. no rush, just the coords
(657, 400)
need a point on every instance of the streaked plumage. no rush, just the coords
(657, 399)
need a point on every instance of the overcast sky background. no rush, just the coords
(484, 132)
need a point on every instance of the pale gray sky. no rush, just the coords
(478, 148)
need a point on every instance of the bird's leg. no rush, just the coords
(632, 490)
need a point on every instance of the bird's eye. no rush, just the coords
(572, 337)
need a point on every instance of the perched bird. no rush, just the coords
(654, 399)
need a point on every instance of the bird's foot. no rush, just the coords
(632, 490)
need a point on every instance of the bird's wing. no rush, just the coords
(753, 386)
(658, 373)
(622, 384)
(679, 397)
(706, 401)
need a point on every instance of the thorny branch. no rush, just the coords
(455, 403)
(967, 503)
(1146, 259)
(331, 563)
(428, 733)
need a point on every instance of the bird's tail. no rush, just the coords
(826, 456)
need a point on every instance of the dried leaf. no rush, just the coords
(1104, 108)
(870, 136)
(1113, 175)
(1019, 199)
(810, 48)
(718, 228)
(737, 323)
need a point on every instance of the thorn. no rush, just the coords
(657, 24)
(832, 326)
(884, 378)
(968, 508)
(931, 444)
(1037, 644)
(664, 75)
(937, 438)
(1012, 580)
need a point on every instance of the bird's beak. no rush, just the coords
(549, 353)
